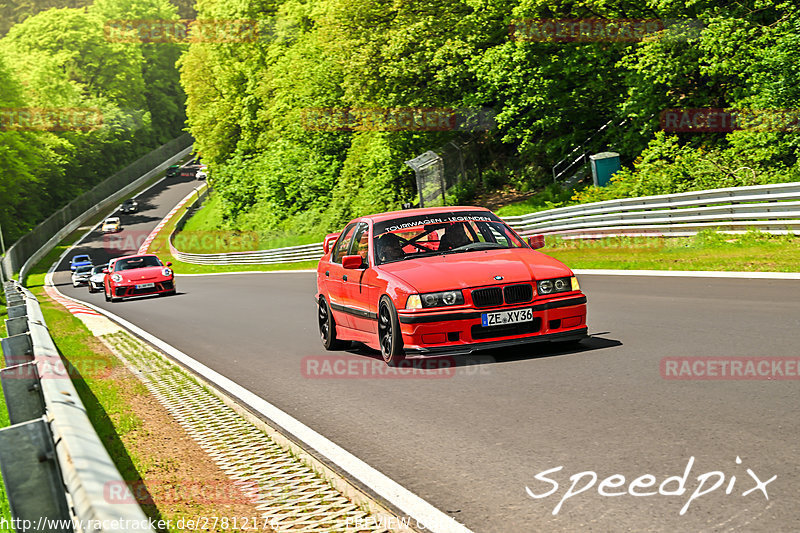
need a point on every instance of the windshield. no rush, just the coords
(99, 269)
(83, 269)
(441, 234)
(137, 262)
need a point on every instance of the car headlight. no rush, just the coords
(435, 299)
(556, 285)
(167, 271)
(116, 278)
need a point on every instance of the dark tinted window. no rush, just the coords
(342, 246)
(136, 262)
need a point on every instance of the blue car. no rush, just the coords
(80, 260)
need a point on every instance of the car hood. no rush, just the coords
(142, 274)
(476, 269)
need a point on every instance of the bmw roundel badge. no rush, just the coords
(498, 278)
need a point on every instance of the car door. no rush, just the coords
(357, 283)
(334, 276)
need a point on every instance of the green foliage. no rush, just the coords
(60, 59)
(246, 102)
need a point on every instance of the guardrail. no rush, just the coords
(57, 473)
(768, 208)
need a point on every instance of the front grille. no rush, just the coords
(167, 285)
(516, 294)
(506, 330)
(488, 297)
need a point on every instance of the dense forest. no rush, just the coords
(248, 102)
(250, 98)
(76, 106)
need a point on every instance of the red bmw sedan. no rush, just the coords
(447, 280)
(137, 275)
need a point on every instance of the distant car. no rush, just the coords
(81, 275)
(201, 175)
(173, 171)
(111, 225)
(442, 281)
(97, 277)
(189, 171)
(79, 260)
(137, 275)
(129, 206)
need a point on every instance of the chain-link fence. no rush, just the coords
(438, 171)
(30, 243)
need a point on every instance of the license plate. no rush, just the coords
(507, 317)
(145, 285)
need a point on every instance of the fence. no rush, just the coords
(35, 244)
(55, 468)
(438, 171)
(768, 208)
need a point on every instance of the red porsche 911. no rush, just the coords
(447, 280)
(137, 275)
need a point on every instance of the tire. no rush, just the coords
(389, 336)
(105, 293)
(327, 327)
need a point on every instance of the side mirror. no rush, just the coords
(169, 263)
(536, 241)
(330, 238)
(352, 261)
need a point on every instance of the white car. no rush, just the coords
(111, 225)
(81, 275)
(97, 278)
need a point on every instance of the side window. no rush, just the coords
(361, 242)
(343, 244)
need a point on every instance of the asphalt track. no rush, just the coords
(471, 440)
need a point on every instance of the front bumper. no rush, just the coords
(461, 332)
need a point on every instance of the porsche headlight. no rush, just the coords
(435, 299)
(116, 278)
(556, 285)
(167, 271)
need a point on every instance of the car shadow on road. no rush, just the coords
(500, 355)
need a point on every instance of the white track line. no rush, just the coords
(691, 274)
(425, 514)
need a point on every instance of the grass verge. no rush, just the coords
(160, 246)
(708, 250)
